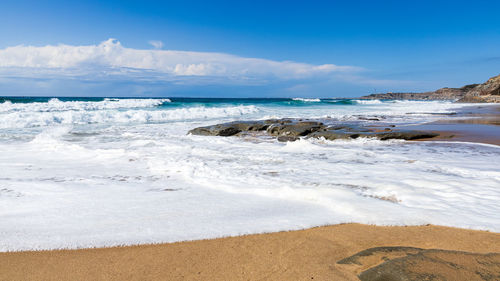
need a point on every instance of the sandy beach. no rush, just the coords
(296, 255)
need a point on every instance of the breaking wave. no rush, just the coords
(57, 105)
(367, 101)
(21, 119)
(306, 100)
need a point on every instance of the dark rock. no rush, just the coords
(408, 263)
(369, 118)
(334, 134)
(294, 129)
(287, 138)
(405, 135)
(230, 129)
(356, 259)
(224, 130)
(249, 125)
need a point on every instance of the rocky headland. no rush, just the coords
(293, 129)
(488, 92)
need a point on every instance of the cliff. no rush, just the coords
(486, 92)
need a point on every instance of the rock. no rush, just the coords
(334, 134)
(409, 263)
(224, 130)
(480, 99)
(287, 138)
(290, 130)
(368, 118)
(295, 129)
(489, 88)
(351, 133)
(405, 135)
(230, 129)
(472, 99)
(250, 125)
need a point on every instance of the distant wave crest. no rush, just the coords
(58, 105)
(367, 101)
(306, 100)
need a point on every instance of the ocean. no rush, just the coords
(93, 172)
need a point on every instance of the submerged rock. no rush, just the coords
(292, 129)
(409, 263)
(406, 135)
(334, 134)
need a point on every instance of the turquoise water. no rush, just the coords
(180, 102)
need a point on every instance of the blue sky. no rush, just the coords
(347, 48)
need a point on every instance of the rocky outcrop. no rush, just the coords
(441, 94)
(409, 263)
(491, 87)
(486, 92)
(293, 129)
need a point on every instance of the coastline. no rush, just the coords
(294, 255)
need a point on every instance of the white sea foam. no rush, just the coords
(401, 112)
(73, 183)
(367, 101)
(24, 119)
(306, 100)
(58, 105)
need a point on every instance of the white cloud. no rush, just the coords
(110, 58)
(156, 44)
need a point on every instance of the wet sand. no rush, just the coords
(310, 254)
(474, 124)
(462, 131)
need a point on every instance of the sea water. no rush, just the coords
(91, 172)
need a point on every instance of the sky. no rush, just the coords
(245, 48)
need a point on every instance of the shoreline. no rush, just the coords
(479, 124)
(292, 255)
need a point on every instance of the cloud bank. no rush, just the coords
(112, 57)
(110, 69)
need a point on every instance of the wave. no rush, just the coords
(58, 105)
(367, 101)
(38, 119)
(306, 100)
(341, 102)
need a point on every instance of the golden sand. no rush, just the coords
(295, 255)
